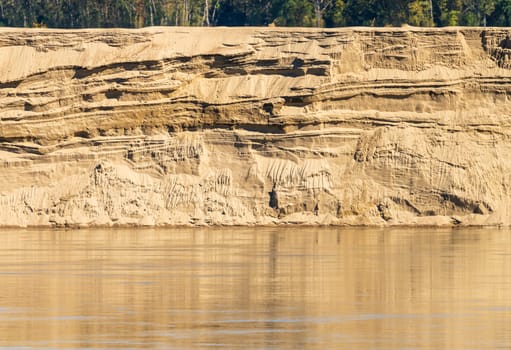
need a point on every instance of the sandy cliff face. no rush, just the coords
(255, 126)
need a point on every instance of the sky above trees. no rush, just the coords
(309, 13)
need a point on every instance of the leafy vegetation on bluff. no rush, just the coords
(318, 13)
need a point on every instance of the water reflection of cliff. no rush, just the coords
(256, 288)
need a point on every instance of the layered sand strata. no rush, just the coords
(392, 126)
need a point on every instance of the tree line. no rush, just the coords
(306, 13)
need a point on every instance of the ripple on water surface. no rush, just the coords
(256, 288)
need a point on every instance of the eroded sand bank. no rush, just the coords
(365, 126)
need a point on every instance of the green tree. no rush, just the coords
(334, 16)
(377, 12)
(475, 12)
(502, 14)
(320, 7)
(360, 12)
(294, 13)
(449, 12)
(420, 13)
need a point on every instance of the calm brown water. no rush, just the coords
(272, 288)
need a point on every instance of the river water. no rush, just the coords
(256, 288)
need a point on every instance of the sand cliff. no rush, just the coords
(255, 126)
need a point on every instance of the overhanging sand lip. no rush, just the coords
(93, 47)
